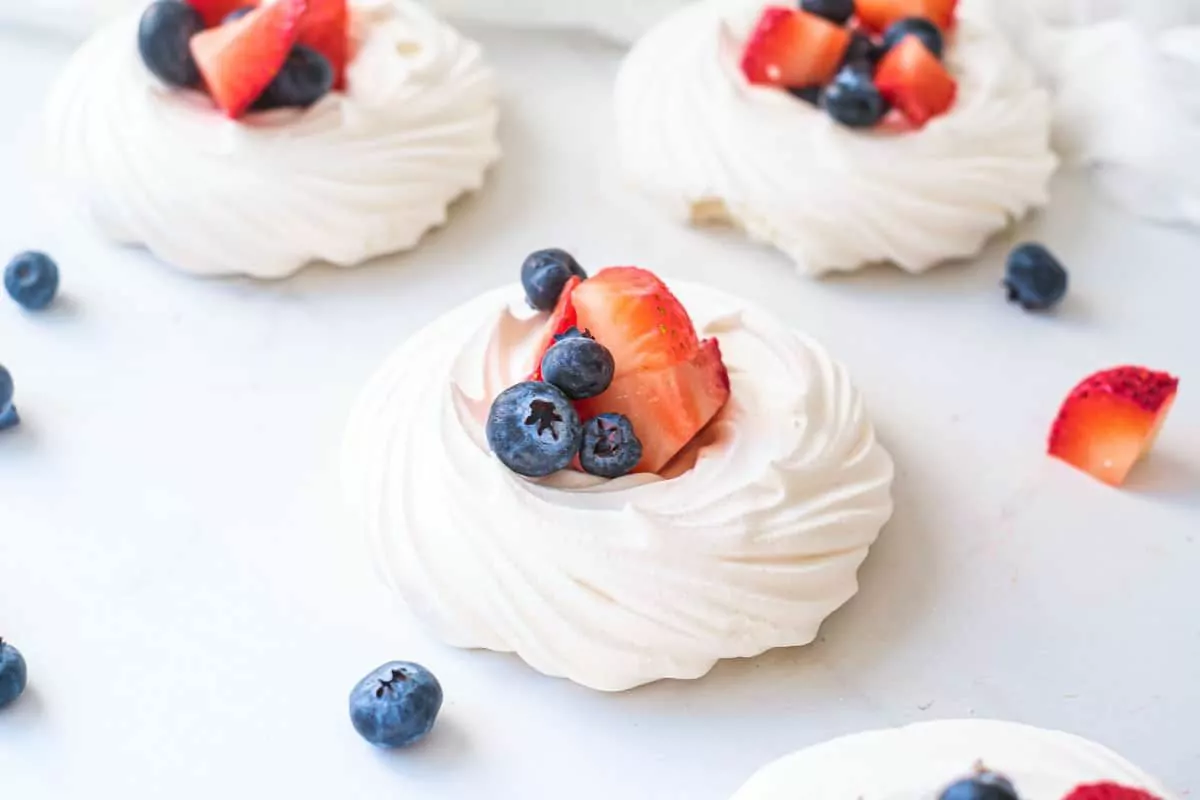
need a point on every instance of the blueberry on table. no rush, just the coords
(13, 674)
(983, 786)
(305, 78)
(839, 11)
(854, 100)
(396, 705)
(533, 429)
(580, 366)
(8, 411)
(545, 273)
(929, 34)
(32, 280)
(1035, 278)
(610, 446)
(164, 41)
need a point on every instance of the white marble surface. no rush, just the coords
(194, 612)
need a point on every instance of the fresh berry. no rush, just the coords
(853, 100)
(573, 333)
(325, 28)
(863, 53)
(236, 14)
(610, 446)
(13, 674)
(163, 35)
(982, 786)
(8, 412)
(579, 365)
(560, 324)
(669, 405)
(913, 80)
(306, 77)
(396, 705)
(32, 280)
(239, 60)
(794, 48)
(929, 34)
(214, 12)
(545, 273)
(1035, 278)
(809, 94)
(1111, 419)
(1108, 791)
(837, 11)
(533, 429)
(879, 15)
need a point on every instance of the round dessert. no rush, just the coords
(955, 760)
(713, 501)
(254, 143)
(903, 134)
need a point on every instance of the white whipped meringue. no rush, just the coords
(614, 584)
(919, 761)
(695, 135)
(358, 175)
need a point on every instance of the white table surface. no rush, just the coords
(194, 610)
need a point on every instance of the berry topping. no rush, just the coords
(236, 14)
(982, 786)
(879, 15)
(163, 35)
(214, 12)
(396, 705)
(573, 333)
(325, 27)
(561, 323)
(545, 273)
(1035, 278)
(1108, 791)
(913, 80)
(610, 447)
(306, 77)
(839, 11)
(32, 280)
(853, 100)
(8, 411)
(794, 48)
(809, 94)
(929, 34)
(862, 53)
(1111, 420)
(13, 674)
(579, 365)
(533, 429)
(239, 60)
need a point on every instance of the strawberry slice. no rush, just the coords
(668, 406)
(240, 59)
(214, 11)
(325, 27)
(914, 81)
(790, 47)
(1108, 791)
(1111, 419)
(877, 15)
(562, 319)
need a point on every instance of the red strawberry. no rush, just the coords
(325, 28)
(240, 59)
(1108, 791)
(879, 14)
(667, 406)
(1111, 420)
(214, 11)
(794, 48)
(562, 319)
(913, 80)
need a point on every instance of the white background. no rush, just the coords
(194, 610)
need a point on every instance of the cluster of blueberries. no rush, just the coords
(31, 279)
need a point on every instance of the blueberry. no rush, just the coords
(8, 411)
(13, 674)
(533, 429)
(983, 786)
(853, 99)
(610, 447)
(32, 280)
(573, 333)
(862, 52)
(396, 705)
(164, 37)
(809, 94)
(236, 14)
(580, 366)
(305, 78)
(545, 273)
(1035, 278)
(929, 34)
(839, 11)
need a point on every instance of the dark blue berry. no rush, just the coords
(862, 53)
(853, 99)
(32, 280)
(928, 32)
(236, 14)
(983, 786)
(13, 674)
(610, 446)
(305, 78)
(396, 705)
(1035, 278)
(164, 38)
(839, 11)
(573, 333)
(545, 273)
(8, 411)
(533, 429)
(580, 366)
(809, 94)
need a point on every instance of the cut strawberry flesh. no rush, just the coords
(877, 15)
(790, 47)
(562, 319)
(914, 81)
(214, 11)
(1111, 420)
(325, 27)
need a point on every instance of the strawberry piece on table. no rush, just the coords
(1111, 419)
(878, 15)
(914, 81)
(239, 60)
(790, 47)
(562, 319)
(215, 11)
(325, 27)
